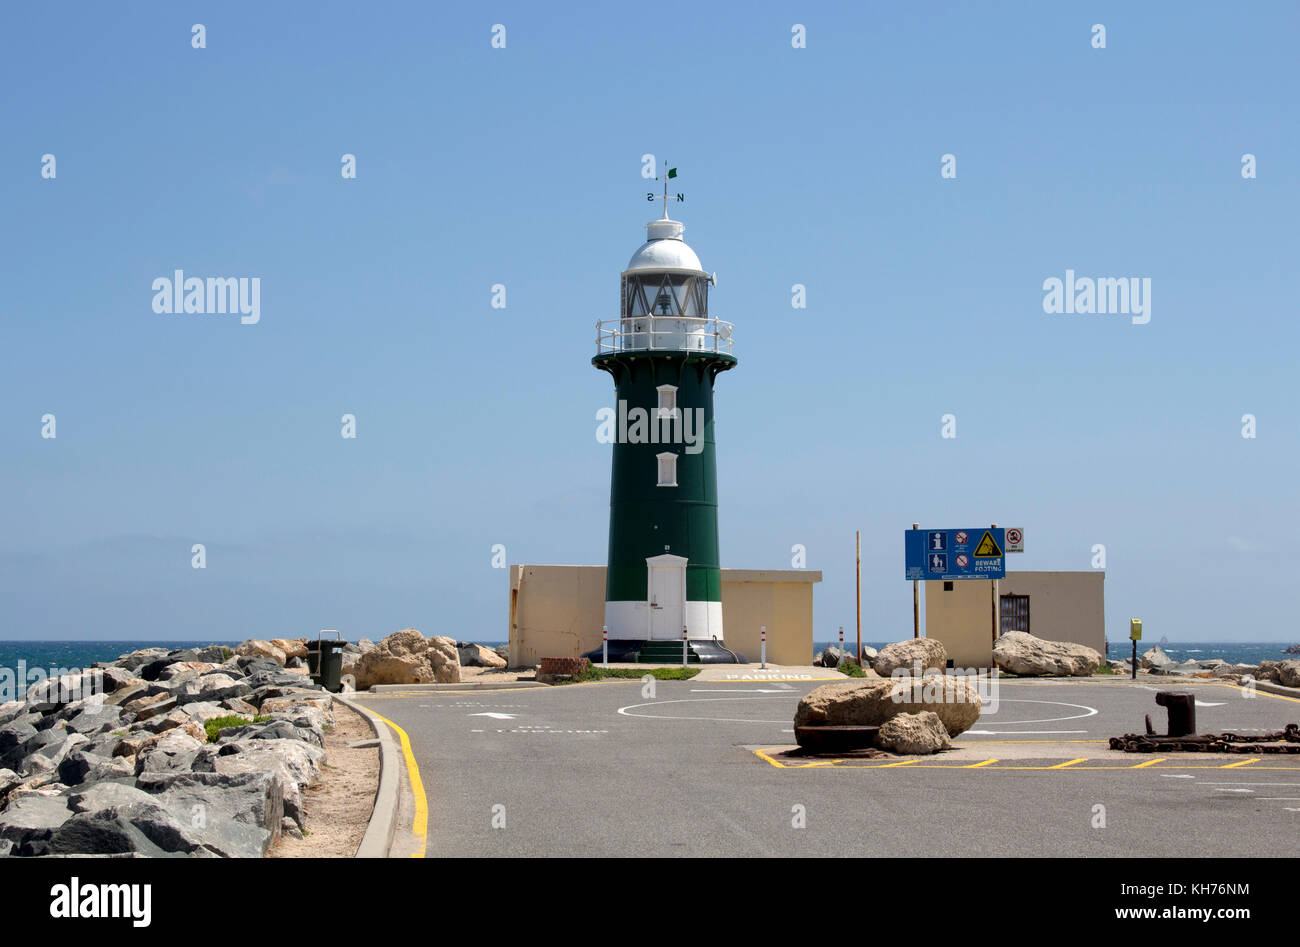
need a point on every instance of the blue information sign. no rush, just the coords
(948, 554)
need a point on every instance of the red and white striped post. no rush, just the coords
(604, 644)
(685, 661)
(763, 639)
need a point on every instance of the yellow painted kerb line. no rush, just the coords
(420, 825)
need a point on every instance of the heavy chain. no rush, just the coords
(1283, 741)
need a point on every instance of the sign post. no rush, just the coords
(604, 645)
(858, 569)
(916, 601)
(1135, 633)
(763, 635)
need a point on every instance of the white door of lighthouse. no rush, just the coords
(666, 586)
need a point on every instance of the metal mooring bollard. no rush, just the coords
(1182, 711)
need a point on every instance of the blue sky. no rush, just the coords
(521, 166)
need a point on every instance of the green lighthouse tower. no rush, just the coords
(664, 352)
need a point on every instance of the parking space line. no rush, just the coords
(1239, 763)
(1158, 759)
(1082, 759)
(988, 762)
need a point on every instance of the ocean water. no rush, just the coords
(81, 654)
(1234, 652)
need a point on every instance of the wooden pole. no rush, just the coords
(916, 601)
(858, 569)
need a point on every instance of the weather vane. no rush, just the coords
(681, 197)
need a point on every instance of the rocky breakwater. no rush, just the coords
(202, 752)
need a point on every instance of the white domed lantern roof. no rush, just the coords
(665, 251)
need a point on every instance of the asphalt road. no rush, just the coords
(600, 769)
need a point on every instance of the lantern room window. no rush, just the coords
(665, 294)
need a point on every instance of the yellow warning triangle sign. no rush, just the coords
(988, 547)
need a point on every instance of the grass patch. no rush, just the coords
(594, 672)
(1105, 669)
(851, 668)
(217, 724)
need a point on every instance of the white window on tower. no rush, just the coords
(667, 401)
(667, 469)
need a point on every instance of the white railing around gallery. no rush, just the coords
(663, 334)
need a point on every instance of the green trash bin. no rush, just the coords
(325, 662)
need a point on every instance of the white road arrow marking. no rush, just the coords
(1201, 703)
(495, 716)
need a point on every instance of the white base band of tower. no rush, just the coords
(637, 621)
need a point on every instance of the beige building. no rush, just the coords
(558, 611)
(1057, 606)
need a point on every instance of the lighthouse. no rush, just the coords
(664, 353)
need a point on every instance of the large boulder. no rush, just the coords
(292, 647)
(475, 655)
(30, 820)
(242, 813)
(913, 734)
(870, 702)
(256, 647)
(1288, 673)
(906, 655)
(1019, 652)
(1156, 658)
(407, 657)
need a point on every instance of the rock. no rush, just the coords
(137, 659)
(869, 703)
(1267, 670)
(1156, 658)
(115, 678)
(141, 826)
(29, 822)
(364, 645)
(172, 751)
(80, 767)
(46, 757)
(146, 707)
(211, 687)
(913, 734)
(832, 657)
(242, 812)
(475, 655)
(1288, 673)
(105, 795)
(929, 652)
(179, 667)
(503, 652)
(297, 763)
(239, 707)
(407, 657)
(54, 691)
(292, 647)
(92, 721)
(1019, 652)
(1294, 649)
(130, 692)
(262, 649)
(1233, 670)
(12, 710)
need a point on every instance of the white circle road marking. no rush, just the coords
(1087, 711)
(626, 711)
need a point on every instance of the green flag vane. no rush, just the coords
(671, 173)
